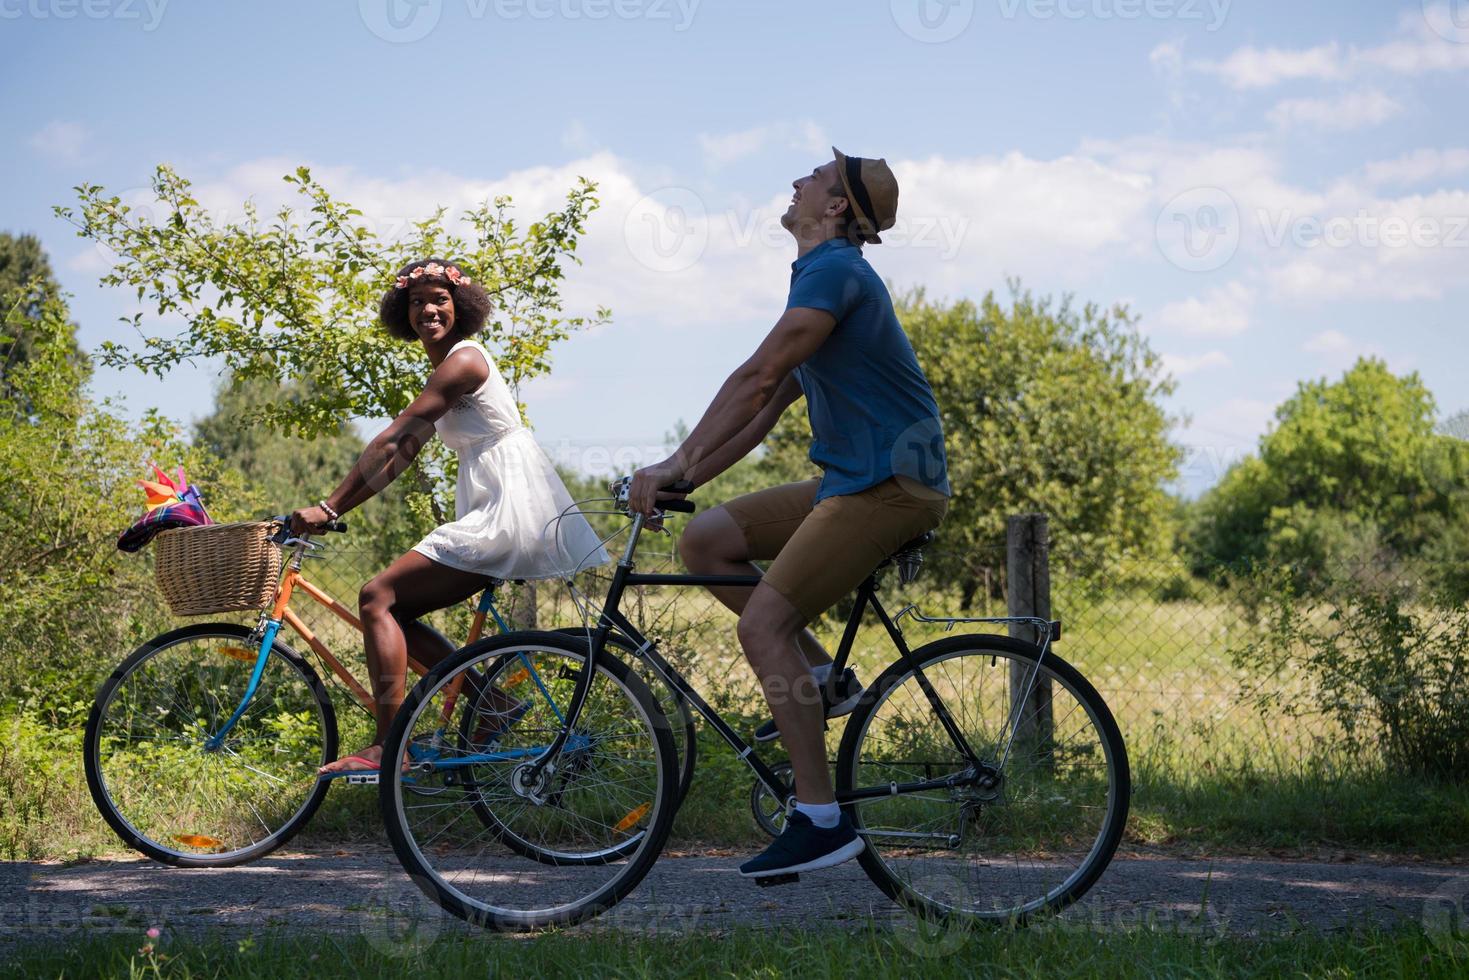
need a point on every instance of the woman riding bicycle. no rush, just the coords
(507, 499)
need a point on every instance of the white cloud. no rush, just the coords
(1328, 342)
(1180, 365)
(722, 149)
(1335, 351)
(1168, 64)
(1418, 166)
(59, 141)
(1220, 312)
(1353, 110)
(1251, 67)
(974, 221)
(1407, 248)
(1431, 40)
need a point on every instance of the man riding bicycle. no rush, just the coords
(878, 441)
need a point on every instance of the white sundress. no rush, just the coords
(508, 495)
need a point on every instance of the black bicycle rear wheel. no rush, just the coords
(1029, 828)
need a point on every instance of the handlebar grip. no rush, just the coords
(680, 506)
(338, 526)
(682, 486)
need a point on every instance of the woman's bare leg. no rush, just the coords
(410, 587)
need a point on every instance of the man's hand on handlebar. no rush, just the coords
(647, 486)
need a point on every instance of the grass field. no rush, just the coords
(840, 952)
(1209, 771)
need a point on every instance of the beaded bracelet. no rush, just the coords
(329, 512)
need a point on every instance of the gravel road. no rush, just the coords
(358, 890)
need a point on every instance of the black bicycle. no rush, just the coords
(987, 777)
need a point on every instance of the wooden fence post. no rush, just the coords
(523, 607)
(1028, 561)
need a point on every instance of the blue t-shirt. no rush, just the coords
(873, 414)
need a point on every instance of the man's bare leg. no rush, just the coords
(767, 631)
(713, 544)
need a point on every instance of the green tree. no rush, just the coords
(287, 471)
(1044, 408)
(1352, 470)
(68, 472)
(292, 298)
(26, 279)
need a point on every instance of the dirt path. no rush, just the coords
(360, 890)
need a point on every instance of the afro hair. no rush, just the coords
(471, 302)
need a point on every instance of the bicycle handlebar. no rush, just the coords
(681, 506)
(620, 488)
(284, 520)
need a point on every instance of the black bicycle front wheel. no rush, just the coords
(675, 706)
(586, 824)
(1025, 827)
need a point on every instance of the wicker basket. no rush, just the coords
(217, 568)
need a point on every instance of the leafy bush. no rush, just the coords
(1390, 669)
(74, 604)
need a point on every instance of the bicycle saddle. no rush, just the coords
(909, 558)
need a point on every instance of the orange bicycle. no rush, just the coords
(202, 747)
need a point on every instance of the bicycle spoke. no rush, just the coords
(186, 801)
(533, 839)
(1023, 843)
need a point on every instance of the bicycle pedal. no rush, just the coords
(769, 881)
(362, 779)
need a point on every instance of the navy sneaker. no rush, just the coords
(803, 846)
(848, 693)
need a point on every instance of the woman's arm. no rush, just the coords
(749, 437)
(388, 454)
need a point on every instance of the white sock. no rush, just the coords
(825, 815)
(821, 673)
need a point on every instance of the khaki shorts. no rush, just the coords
(821, 553)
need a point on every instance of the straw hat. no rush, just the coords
(872, 191)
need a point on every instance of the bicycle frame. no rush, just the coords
(612, 618)
(281, 614)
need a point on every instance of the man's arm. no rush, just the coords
(797, 335)
(749, 437)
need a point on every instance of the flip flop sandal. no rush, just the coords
(356, 777)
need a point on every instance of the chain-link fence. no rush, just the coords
(1175, 650)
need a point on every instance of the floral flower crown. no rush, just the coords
(449, 272)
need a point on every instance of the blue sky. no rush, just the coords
(1274, 188)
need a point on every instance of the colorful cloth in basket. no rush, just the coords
(171, 503)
